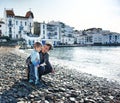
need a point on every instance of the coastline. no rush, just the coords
(65, 86)
(85, 45)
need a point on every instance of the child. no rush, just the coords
(35, 59)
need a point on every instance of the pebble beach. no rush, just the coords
(64, 86)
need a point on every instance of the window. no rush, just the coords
(43, 26)
(25, 23)
(10, 22)
(115, 37)
(0, 32)
(0, 25)
(10, 30)
(16, 22)
(110, 37)
(30, 24)
(17, 36)
(33, 41)
(21, 22)
(29, 42)
(43, 32)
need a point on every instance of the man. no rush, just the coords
(44, 59)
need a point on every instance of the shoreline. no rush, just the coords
(86, 45)
(65, 85)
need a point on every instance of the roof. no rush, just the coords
(10, 13)
(21, 17)
(28, 14)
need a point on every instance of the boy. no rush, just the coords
(35, 62)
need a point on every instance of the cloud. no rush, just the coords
(78, 13)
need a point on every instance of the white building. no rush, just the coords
(2, 28)
(105, 38)
(30, 40)
(67, 40)
(66, 33)
(68, 36)
(111, 38)
(16, 26)
(49, 33)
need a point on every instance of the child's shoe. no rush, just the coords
(38, 84)
(31, 81)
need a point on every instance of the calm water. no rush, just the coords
(99, 61)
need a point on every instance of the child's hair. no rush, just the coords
(37, 44)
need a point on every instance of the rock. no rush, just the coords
(111, 97)
(49, 97)
(81, 101)
(67, 95)
(74, 95)
(46, 101)
(72, 99)
(89, 100)
(65, 86)
(62, 89)
(31, 96)
(55, 89)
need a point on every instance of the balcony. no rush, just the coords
(10, 25)
(21, 28)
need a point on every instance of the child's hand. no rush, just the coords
(38, 66)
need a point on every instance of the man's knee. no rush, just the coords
(47, 70)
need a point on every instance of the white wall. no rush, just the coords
(2, 28)
(15, 28)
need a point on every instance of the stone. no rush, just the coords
(46, 101)
(72, 99)
(62, 89)
(31, 96)
(65, 86)
(89, 100)
(48, 97)
(111, 97)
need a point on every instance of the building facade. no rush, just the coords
(49, 33)
(2, 28)
(99, 38)
(16, 26)
(57, 32)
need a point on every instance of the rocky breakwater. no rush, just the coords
(65, 86)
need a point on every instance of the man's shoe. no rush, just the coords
(43, 85)
(38, 84)
(42, 80)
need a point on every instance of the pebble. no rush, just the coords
(65, 86)
(72, 99)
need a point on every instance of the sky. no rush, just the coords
(80, 14)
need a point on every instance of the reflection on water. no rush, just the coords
(99, 61)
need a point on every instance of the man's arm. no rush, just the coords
(46, 60)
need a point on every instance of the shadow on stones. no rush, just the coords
(20, 91)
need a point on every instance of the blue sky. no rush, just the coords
(81, 14)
